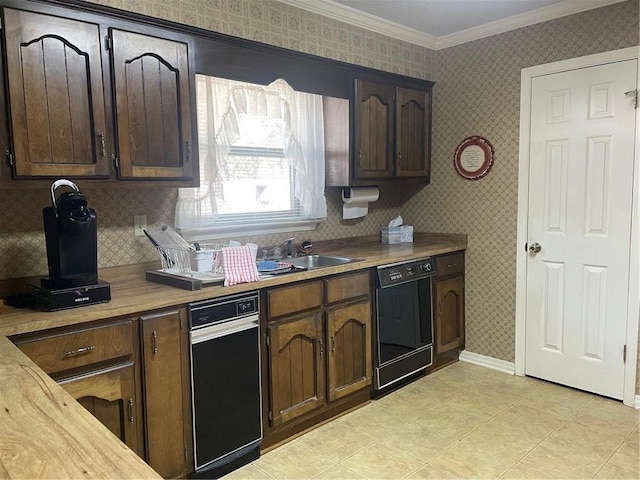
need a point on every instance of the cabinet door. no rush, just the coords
(349, 349)
(56, 96)
(449, 314)
(413, 114)
(5, 159)
(165, 384)
(373, 130)
(296, 367)
(109, 394)
(153, 115)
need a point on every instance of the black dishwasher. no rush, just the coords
(225, 383)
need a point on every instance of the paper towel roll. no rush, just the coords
(356, 201)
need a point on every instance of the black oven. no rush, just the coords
(404, 321)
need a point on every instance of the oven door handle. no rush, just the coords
(223, 329)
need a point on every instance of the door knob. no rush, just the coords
(535, 247)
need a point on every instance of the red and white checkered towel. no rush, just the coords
(239, 265)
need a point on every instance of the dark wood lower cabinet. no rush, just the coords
(348, 349)
(448, 309)
(165, 385)
(450, 314)
(110, 395)
(318, 352)
(297, 382)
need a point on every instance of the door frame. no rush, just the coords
(633, 301)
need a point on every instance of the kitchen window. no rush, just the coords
(261, 161)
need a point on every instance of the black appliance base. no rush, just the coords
(228, 464)
(392, 372)
(74, 297)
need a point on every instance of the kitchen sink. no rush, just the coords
(319, 261)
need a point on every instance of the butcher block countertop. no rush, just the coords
(45, 433)
(132, 294)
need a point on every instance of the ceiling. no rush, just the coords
(439, 24)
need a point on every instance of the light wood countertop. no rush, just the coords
(132, 294)
(47, 434)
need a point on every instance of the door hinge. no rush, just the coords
(9, 158)
(624, 354)
(633, 93)
(526, 247)
(116, 163)
(270, 415)
(108, 42)
(266, 340)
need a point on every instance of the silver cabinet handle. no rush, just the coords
(333, 344)
(154, 341)
(131, 410)
(535, 247)
(103, 150)
(78, 351)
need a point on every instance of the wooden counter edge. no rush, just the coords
(47, 434)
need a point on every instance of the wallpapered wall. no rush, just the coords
(477, 93)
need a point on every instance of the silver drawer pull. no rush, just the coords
(451, 265)
(78, 351)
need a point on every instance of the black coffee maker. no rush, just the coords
(71, 233)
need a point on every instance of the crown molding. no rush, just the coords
(351, 16)
(364, 20)
(539, 15)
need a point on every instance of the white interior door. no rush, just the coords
(580, 202)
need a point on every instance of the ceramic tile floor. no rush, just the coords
(466, 421)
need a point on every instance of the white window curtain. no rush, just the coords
(220, 102)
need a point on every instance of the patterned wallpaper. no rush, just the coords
(477, 92)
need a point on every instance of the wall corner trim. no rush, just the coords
(488, 362)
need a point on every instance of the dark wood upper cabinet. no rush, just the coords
(373, 130)
(56, 96)
(390, 128)
(413, 112)
(153, 111)
(391, 131)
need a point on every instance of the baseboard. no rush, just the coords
(490, 362)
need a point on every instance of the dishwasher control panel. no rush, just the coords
(224, 309)
(397, 273)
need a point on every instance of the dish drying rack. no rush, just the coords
(176, 256)
(179, 260)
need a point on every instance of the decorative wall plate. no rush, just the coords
(473, 158)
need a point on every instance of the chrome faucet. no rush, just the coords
(277, 253)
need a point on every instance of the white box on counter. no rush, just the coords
(401, 234)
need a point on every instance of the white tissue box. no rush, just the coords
(401, 234)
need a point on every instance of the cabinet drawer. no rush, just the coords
(450, 264)
(296, 298)
(80, 347)
(348, 286)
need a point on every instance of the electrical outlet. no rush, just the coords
(139, 225)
